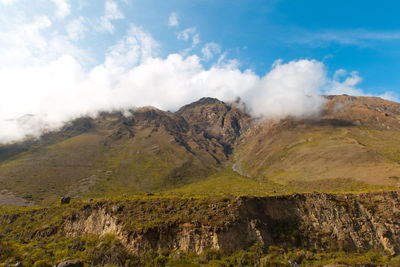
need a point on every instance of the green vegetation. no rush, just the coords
(48, 172)
(322, 157)
(161, 169)
(229, 182)
(94, 164)
(37, 236)
(109, 251)
(189, 153)
(44, 252)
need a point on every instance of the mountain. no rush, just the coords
(354, 144)
(208, 147)
(207, 185)
(112, 154)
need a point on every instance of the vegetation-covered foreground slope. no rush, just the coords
(315, 229)
(207, 148)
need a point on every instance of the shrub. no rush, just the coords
(6, 251)
(41, 263)
(160, 261)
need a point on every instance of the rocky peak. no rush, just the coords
(154, 117)
(215, 119)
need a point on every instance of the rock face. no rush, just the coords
(320, 222)
(216, 119)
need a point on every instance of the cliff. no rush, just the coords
(321, 222)
(307, 229)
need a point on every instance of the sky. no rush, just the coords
(61, 59)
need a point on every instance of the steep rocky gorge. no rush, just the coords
(319, 222)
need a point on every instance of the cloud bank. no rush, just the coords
(45, 82)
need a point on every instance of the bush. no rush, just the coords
(109, 251)
(160, 261)
(208, 255)
(42, 263)
(6, 251)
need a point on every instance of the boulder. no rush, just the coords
(70, 263)
(65, 200)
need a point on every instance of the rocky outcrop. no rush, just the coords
(71, 263)
(320, 222)
(65, 200)
(215, 124)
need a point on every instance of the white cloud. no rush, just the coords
(347, 86)
(8, 2)
(173, 20)
(210, 49)
(291, 89)
(346, 83)
(45, 84)
(359, 37)
(63, 8)
(189, 34)
(132, 75)
(136, 46)
(112, 12)
(23, 42)
(195, 40)
(186, 34)
(392, 96)
(76, 29)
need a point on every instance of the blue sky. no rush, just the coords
(361, 36)
(112, 54)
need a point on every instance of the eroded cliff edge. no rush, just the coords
(318, 221)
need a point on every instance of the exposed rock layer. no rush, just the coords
(321, 222)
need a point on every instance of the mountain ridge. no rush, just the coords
(150, 150)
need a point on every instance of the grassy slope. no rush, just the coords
(333, 156)
(334, 160)
(228, 182)
(323, 157)
(47, 171)
(149, 164)
(92, 164)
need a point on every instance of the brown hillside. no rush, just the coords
(353, 146)
(355, 141)
(112, 153)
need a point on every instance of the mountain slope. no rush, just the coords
(149, 150)
(209, 147)
(355, 142)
